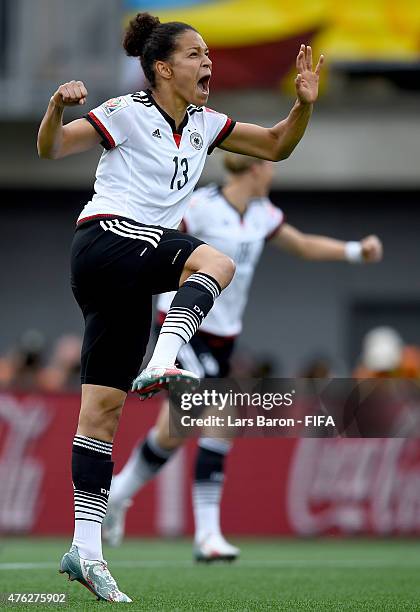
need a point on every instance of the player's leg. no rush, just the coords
(116, 333)
(151, 453)
(210, 463)
(204, 275)
(209, 543)
(92, 464)
(146, 460)
(91, 473)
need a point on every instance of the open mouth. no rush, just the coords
(203, 84)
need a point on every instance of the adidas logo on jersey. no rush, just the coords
(156, 134)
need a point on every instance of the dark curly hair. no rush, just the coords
(150, 40)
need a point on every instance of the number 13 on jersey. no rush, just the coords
(181, 166)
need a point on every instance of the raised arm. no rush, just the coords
(56, 140)
(323, 248)
(278, 142)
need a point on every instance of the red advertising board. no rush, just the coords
(273, 485)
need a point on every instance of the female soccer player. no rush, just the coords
(126, 246)
(237, 219)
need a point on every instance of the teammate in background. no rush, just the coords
(127, 248)
(237, 219)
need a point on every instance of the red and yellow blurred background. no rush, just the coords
(254, 43)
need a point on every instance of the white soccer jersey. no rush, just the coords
(149, 168)
(213, 219)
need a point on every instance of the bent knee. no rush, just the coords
(231, 268)
(227, 269)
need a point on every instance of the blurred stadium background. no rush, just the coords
(356, 172)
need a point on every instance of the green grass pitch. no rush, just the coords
(276, 574)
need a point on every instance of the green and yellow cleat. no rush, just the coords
(94, 575)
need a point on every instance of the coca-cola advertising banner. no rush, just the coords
(283, 486)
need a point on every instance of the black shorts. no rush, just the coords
(206, 355)
(116, 266)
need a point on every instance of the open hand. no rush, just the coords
(372, 249)
(70, 94)
(307, 80)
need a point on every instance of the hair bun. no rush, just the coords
(139, 30)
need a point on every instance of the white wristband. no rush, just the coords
(353, 252)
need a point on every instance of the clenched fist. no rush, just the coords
(70, 94)
(372, 249)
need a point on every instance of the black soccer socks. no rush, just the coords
(189, 307)
(92, 473)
